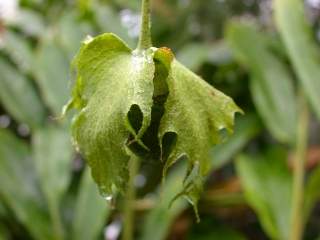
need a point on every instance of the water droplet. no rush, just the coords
(149, 53)
(105, 194)
(137, 60)
(136, 53)
(221, 127)
(140, 57)
(108, 198)
(88, 39)
(75, 145)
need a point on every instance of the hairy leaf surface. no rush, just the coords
(195, 112)
(144, 103)
(111, 80)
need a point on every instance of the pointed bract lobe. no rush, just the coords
(196, 112)
(110, 80)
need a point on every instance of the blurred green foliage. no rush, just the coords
(46, 192)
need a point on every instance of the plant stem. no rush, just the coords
(297, 219)
(128, 210)
(145, 32)
(55, 218)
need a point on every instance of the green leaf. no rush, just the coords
(271, 83)
(119, 94)
(247, 128)
(71, 31)
(19, 187)
(303, 51)
(90, 208)
(160, 218)
(194, 54)
(267, 184)
(111, 82)
(195, 112)
(4, 233)
(84, 6)
(210, 230)
(30, 22)
(3, 211)
(52, 74)
(52, 152)
(109, 21)
(19, 50)
(134, 4)
(19, 97)
(52, 156)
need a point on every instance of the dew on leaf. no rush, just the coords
(88, 39)
(108, 198)
(139, 57)
(103, 192)
(75, 145)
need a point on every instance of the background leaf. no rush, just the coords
(216, 232)
(109, 22)
(91, 210)
(194, 55)
(19, 50)
(270, 84)
(302, 49)
(159, 219)
(52, 75)
(71, 32)
(19, 97)
(52, 158)
(19, 189)
(30, 22)
(267, 184)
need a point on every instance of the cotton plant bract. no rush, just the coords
(143, 103)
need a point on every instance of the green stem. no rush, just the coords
(145, 32)
(297, 219)
(56, 221)
(128, 230)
